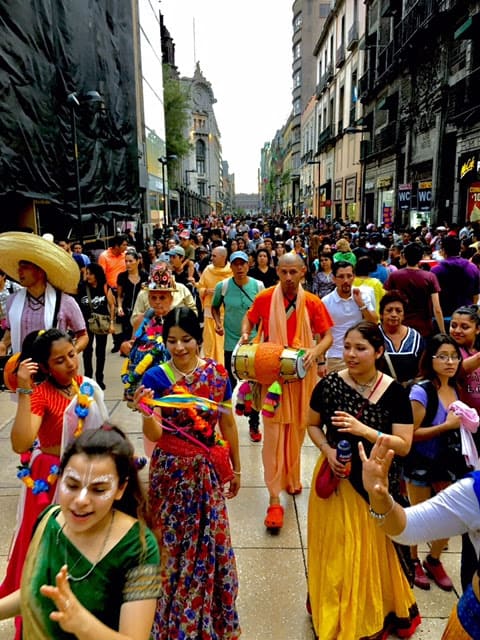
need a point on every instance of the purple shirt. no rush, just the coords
(459, 280)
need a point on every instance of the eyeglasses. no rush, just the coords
(444, 358)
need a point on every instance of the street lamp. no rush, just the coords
(75, 101)
(316, 194)
(166, 204)
(363, 171)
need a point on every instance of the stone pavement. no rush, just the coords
(272, 568)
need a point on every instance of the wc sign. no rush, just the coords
(424, 196)
(404, 196)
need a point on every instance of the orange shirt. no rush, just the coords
(320, 320)
(112, 265)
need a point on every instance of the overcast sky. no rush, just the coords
(245, 52)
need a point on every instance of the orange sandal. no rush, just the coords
(274, 517)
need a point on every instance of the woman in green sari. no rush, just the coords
(92, 570)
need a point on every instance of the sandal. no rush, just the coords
(274, 517)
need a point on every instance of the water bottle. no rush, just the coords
(344, 455)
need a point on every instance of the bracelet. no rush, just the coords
(24, 391)
(363, 307)
(237, 473)
(380, 517)
(321, 363)
(379, 434)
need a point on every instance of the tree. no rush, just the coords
(176, 103)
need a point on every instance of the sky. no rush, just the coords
(245, 52)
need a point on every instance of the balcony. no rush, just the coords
(340, 57)
(417, 20)
(386, 59)
(390, 7)
(385, 138)
(463, 101)
(365, 84)
(352, 38)
(324, 138)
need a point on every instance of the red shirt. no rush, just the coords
(320, 321)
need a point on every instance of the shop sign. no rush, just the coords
(338, 190)
(424, 196)
(369, 185)
(467, 166)
(387, 211)
(404, 196)
(473, 202)
(384, 183)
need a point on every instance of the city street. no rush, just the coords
(271, 568)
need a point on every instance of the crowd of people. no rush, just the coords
(347, 332)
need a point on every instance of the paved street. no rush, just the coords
(271, 568)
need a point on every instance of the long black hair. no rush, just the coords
(37, 345)
(425, 367)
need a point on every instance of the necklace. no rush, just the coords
(363, 386)
(35, 303)
(67, 388)
(188, 375)
(98, 558)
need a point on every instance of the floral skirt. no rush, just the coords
(356, 586)
(199, 575)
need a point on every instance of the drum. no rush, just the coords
(266, 362)
(291, 364)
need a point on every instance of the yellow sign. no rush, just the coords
(383, 183)
(425, 185)
(466, 167)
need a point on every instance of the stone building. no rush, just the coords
(421, 110)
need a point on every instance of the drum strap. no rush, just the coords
(291, 307)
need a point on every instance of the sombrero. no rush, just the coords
(61, 269)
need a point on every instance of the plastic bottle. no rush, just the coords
(344, 455)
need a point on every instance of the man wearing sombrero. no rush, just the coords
(47, 274)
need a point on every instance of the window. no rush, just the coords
(297, 51)
(200, 156)
(297, 80)
(297, 107)
(297, 23)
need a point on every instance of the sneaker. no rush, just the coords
(434, 570)
(421, 581)
(255, 435)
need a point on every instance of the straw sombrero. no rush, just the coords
(61, 269)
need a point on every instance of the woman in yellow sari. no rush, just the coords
(94, 548)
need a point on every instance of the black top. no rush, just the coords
(332, 394)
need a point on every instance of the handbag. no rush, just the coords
(98, 323)
(325, 482)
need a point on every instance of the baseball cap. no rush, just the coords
(185, 235)
(177, 251)
(239, 255)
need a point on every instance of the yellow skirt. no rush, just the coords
(454, 630)
(355, 582)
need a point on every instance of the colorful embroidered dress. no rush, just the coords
(148, 349)
(190, 519)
